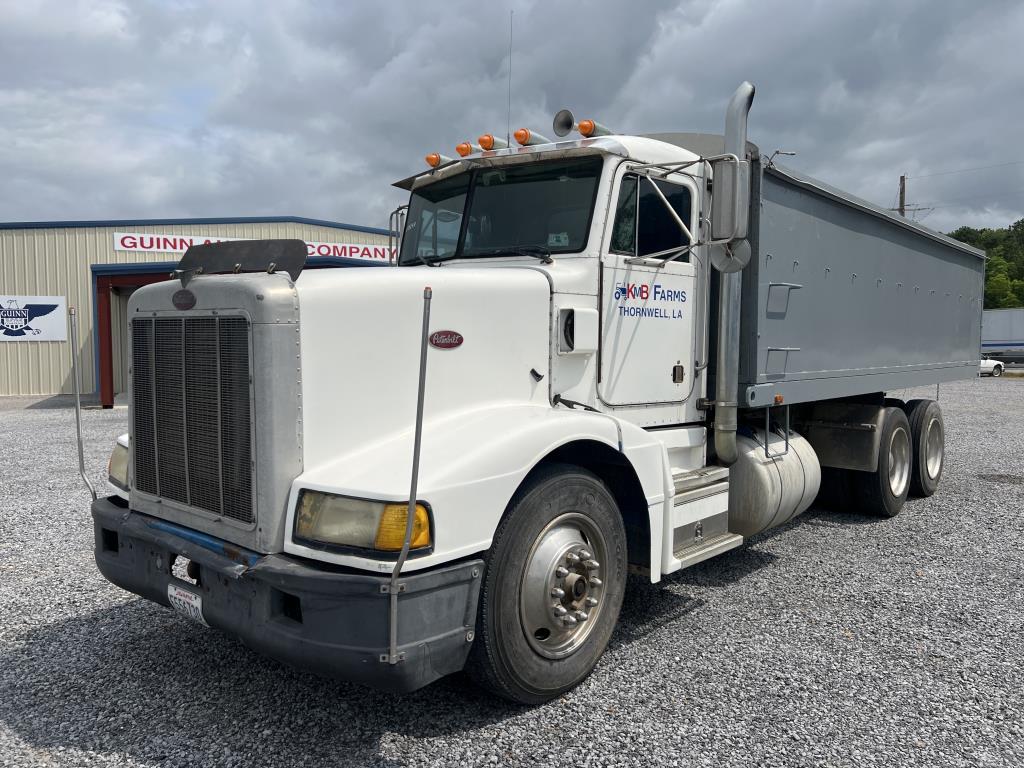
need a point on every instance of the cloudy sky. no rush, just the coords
(163, 109)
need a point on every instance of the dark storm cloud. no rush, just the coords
(117, 109)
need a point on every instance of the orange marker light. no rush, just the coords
(433, 159)
(488, 142)
(586, 127)
(465, 148)
(779, 399)
(527, 138)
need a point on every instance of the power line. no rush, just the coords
(955, 200)
(997, 202)
(965, 170)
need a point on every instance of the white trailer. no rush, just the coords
(594, 356)
(1002, 335)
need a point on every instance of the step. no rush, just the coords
(710, 548)
(688, 480)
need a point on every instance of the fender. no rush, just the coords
(472, 463)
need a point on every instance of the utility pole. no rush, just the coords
(903, 196)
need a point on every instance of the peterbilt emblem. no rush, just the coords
(446, 339)
(183, 299)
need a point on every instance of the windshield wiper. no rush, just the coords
(431, 263)
(537, 251)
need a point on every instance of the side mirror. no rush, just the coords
(730, 200)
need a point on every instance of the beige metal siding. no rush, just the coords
(55, 262)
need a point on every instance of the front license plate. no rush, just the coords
(186, 603)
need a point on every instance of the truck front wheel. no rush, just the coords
(553, 587)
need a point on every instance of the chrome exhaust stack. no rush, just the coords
(729, 295)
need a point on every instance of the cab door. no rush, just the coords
(648, 296)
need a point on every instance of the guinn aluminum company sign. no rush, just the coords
(149, 242)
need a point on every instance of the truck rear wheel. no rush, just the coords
(884, 491)
(928, 436)
(552, 589)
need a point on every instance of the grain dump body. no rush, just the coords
(843, 298)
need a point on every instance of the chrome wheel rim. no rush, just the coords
(899, 461)
(561, 596)
(933, 447)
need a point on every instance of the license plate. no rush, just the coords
(186, 603)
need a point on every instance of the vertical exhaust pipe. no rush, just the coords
(729, 295)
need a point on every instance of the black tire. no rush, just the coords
(997, 370)
(834, 492)
(877, 491)
(504, 659)
(928, 436)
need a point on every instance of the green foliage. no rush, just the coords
(1004, 270)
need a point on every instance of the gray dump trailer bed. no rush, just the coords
(842, 298)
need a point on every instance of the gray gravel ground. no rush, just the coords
(838, 640)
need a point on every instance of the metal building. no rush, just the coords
(47, 267)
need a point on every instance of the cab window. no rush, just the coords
(643, 226)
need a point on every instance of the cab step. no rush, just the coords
(700, 518)
(691, 479)
(688, 556)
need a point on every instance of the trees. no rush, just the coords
(1004, 270)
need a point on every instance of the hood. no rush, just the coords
(360, 336)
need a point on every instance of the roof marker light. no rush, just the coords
(590, 128)
(434, 159)
(527, 138)
(489, 142)
(465, 148)
(565, 122)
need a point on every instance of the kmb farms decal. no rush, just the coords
(33, 318)
(670, 299)
(145, 242)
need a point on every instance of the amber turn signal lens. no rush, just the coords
(391, 529)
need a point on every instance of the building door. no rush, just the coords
(119, 336)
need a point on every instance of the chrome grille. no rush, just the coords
(191, 405)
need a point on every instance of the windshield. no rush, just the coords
(542, 206)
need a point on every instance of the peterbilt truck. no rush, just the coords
(596, 355)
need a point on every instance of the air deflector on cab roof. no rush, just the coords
(242, 256)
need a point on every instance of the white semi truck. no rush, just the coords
(594, 356)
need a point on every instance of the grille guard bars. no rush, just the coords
(236, 256)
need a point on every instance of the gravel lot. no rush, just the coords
(837, 640)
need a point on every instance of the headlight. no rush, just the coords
(117, 467)
(324, 518)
